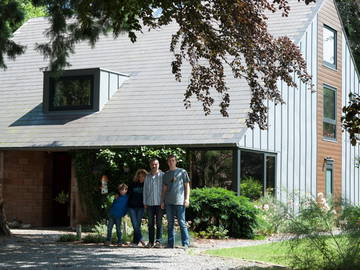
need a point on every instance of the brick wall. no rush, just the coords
(27, 187)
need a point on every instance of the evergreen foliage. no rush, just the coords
(251, 188)
(222, 208)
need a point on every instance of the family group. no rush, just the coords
(153, 192)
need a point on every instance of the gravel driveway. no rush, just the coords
(38, 249)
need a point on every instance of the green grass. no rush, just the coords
(277, 252)
(273, 253)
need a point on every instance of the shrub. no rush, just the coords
(68, 238)
(213, 232)
(316, 245)
(221, 207)
(270, 217)
(251, 188)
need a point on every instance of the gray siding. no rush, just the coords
(292, 129)
(350, 172)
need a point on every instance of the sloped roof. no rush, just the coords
(146, 110)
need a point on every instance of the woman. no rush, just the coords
(136, 204)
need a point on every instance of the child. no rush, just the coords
(117, 211)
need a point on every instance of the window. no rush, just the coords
(329, 47)
(329, 121)
(260, 166)
(329, 178)
(71, 93)
(80, 90)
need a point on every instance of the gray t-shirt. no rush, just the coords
(175, 181)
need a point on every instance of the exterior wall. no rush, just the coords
(27, 187)
(325, 148)
(350, 172)
(292, 129)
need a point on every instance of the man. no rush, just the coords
(176, 192)
(152, 201)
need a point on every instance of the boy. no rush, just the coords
(118, 209)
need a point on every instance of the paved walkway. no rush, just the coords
(38, 249)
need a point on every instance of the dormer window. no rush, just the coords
(71, 93)
(79, 90)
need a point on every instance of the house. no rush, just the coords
(124, 88)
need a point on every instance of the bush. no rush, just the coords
(316, 245)
(68, 238)
(271, 215)
(221, 207)
(251, 188)
(213, 232)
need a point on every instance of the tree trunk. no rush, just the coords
(4, 228)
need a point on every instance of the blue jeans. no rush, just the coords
(136, 214)
(154, 212)
(117, 221)
(179, 212)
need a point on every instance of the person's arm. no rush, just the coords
(145, 192)
(187, 194)
(163, 192)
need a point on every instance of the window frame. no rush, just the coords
(329, 166)
(329, 120)
(326, 63)
(48, 90)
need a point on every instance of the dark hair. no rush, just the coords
(153, 159)
(171, 156)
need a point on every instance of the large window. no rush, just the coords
(71, 93)
(259, 166)
(329, 121)
(329, 47)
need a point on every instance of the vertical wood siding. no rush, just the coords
(292, 129)
(350, 172)
(328, 16)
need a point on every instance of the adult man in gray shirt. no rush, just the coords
(176, 192)
(152, 200)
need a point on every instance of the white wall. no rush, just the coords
(350, 172)
(292, 129)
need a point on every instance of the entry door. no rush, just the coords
(61, 185)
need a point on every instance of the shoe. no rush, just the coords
(142, 243)
(185, 246)
(107, 243)
(157, 244)
(149, 245)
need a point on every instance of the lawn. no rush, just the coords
(272, 253)
(277, 252)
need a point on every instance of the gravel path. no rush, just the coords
(38, 249)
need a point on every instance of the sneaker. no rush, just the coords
(107, 243)
(185, 246)
(157, 244)
(149, 245)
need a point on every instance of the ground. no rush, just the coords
(38, 249)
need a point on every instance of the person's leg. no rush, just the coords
(139, 216)
(159, 215)
(118, 230)
(151, 222)
(133, 218)
(170, 215)
(111, 223)
(180, 213)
